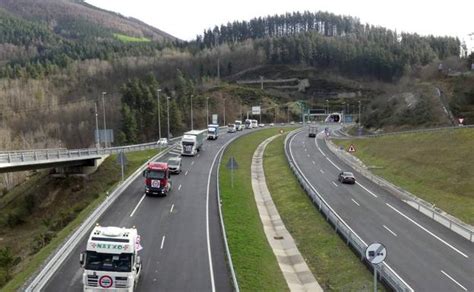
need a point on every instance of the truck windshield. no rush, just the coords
(154, 174)
(188, 143)
(211, 130)
(108, 262)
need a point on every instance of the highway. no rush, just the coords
(183, 248)
(425, 254)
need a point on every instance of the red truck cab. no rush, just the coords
(157, 179)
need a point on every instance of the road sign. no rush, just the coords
(376, 253)
(352, 148)
(106, 281)
(214, 118)
(122, 159)
(232, 163)
(256, 110)
(461, 120)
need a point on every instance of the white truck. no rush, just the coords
(238, 125)
(192, 142)
(248, 124)
(111, 260)
(212, 131)
(254, 123)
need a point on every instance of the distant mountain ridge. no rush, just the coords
(62, 16)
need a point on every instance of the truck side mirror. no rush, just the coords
(82, 258)
(139, 261)
(144, 173)
(169, 174)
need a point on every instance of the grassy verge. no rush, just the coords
(71, 200)
(129, 39)
(334, 265)
(436, 167)
(254, 262)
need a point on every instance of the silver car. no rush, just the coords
(174, 164)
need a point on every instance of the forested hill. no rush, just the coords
(330, 41)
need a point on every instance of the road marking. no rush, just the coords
(179, 188)
(136, 207)
(198, 155)
(375, 196)
(322, 171)
(316, 143)
(308, 155)
(172, 207)
(186, 173)
(427, 231)
(162, 242)
(338, 168)
(305, 150)
(314, 162)
(452, 279)
(355, 202)
(334, 183)
(192, 162)
(388, 229)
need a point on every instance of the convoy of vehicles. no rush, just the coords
(212, 131)
(111, 260)
(346, 177)
(157, 179)
(192, 141)
(174, 164)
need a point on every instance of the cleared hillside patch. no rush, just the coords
(437, 167)
(130, 39)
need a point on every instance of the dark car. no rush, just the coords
(346, 177)
(174, 164)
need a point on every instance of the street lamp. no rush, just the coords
(192, 122)
(224, 112)
(359, 114)
(97, 141)
(168, 115)
(207, 110)
(327, 106)
(105, 125)
(158, 109)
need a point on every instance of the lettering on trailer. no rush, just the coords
(352, 148)
(376, 253)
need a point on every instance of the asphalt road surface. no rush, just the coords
(428, 256)
(174, 231)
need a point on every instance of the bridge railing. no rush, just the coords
(384, 270)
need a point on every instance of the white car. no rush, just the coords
(163, 142)
(272, 124)
(261, 125)
(174, 164)
(231, 128)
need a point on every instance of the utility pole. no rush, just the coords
(159, 120)
(97, 136)
(207, 110)
(327, 106)
(224, 112)
(218, 69)
(359, 115)
(168, 114)
(288, 114)
(241, 110)
(261, 82)
(105, 125)
(192, 120)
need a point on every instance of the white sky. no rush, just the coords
(187, 18)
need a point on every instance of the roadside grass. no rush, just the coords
(129, 39)
(335, 266)
(74, 206)
(255, 264)
(437, 166)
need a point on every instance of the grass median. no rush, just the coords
(436, 166)
(335, 266)
(46, 225)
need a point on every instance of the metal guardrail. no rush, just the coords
(384, 270)
(413, 131)
(424, 207)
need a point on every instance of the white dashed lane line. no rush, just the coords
(452, 279)
(172, 207)
(334, 184)
(179, 188)
(321, 171)
(388, 229)
(162, 242)
(355, 202)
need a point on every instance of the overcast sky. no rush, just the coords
(187, 18)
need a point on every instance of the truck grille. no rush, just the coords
(92, 280)
(121, 282)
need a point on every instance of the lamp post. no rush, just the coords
(327, 106)
(359, 115)
(105, 125)
(168, 115)
(207, 110)
(158, 109)
(97, 141)
(192, 122)
(224, 112)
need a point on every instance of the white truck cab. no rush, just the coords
(111, 260)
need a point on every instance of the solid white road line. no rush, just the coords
(355, 202)
(452, 279)
(388, 229)
(334, 183)
(172, 207)
(136, 207)
(317, 146)
(179, 188)
(367, 190)
(162, 242)
(427, 231)
(338, 168)
(321, 171)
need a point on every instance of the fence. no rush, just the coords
(384, 270)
